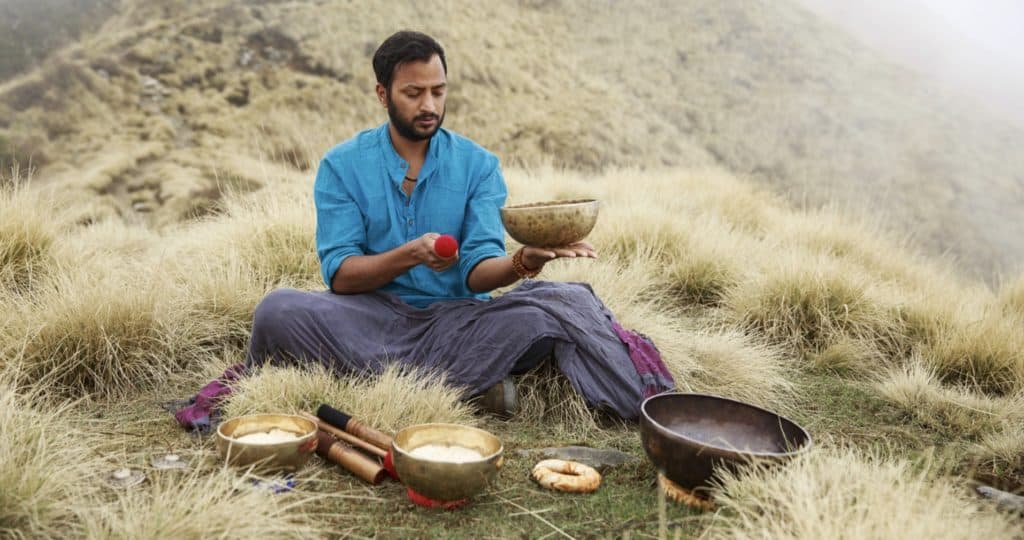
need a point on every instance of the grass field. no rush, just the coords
(758, 222)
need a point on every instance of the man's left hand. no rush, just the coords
(535, 258)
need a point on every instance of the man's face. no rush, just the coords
(416, 100)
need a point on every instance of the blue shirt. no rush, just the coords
(362, 210)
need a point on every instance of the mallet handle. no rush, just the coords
(351, 459)
(345, 422)
(345, 437)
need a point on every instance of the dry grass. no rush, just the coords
(217, 503)
(840, 494)
(918, 391)
(388, 401)
(43, 470)
(93, 332)
(26, 236)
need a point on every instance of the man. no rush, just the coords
(382, 199)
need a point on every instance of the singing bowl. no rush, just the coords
(550, 224)
(688, 437)
(446, 480)
(283, 456)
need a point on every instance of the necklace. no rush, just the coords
(407, 179)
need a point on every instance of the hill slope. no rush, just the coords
(170, 104)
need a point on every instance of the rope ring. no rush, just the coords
(567, 476)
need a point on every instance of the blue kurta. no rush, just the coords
(362, 210)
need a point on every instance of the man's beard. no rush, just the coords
(408, 129)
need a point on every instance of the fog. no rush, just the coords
(974, 48)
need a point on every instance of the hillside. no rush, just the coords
(173, 152)
(170, 104)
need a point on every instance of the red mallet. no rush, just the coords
(445, 246)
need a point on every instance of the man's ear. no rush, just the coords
(382, 94)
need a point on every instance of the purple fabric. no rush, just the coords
(474, 343)
(647, 361)
(197, 415)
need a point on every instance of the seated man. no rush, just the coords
(382, 198)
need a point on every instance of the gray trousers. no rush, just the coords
(473, 343)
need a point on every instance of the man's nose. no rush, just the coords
(428, 103)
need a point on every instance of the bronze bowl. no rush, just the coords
(688, 436)
(283, 456)
(550, 224)
(446, 480)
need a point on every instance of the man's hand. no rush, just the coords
(423, 250)
(535, 258)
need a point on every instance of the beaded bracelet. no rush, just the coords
(521, 270)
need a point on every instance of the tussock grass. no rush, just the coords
(1002, 451)
(986, 353)
(809, 303)
(43, 468)
(28, 232)
(270, 232)
(93, 333)
(546, 398)
(202, 504)
(388, 401)
(841, 493)
(735, 365)
(917, 389)
(1011, 297)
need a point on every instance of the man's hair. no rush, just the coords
(401, 47)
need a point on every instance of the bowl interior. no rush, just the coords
(413, 437)
(724, 424)
(262, 423)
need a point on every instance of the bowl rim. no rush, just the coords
(760, 454)
(233, 440)
(549, 204)
(408, 453)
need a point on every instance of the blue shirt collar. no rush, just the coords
(397, 166)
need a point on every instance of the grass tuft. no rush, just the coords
(28, 232)
(844, 494)
(810, 303)
(388, 401)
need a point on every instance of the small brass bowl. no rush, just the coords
(283, 456)
(688, 437)
(446, 480)
(550, 224)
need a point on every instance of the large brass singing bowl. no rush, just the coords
(446, 480)
(688, 436)
(284, 456)
(550, 224)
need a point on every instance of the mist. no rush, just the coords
(970, 48)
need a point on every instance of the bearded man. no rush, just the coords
(382, 199)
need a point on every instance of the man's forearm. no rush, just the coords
(364, 273)
(491, 274)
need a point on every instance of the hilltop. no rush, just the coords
(166, 105)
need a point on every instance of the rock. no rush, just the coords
(1003, 499)
(598, 458)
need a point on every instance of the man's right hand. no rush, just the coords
(423, 250)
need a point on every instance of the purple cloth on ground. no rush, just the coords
(474, 343)
(647, 361)
(197, 415)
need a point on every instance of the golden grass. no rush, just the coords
(27, 236)
(846, 494)
(1002, 451)
(93, 332)
(42, 469)
(217, 503)
(1011, 297)
(918, 391)
(388, 401)
(809, 303)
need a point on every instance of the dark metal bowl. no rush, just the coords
(688, 436)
